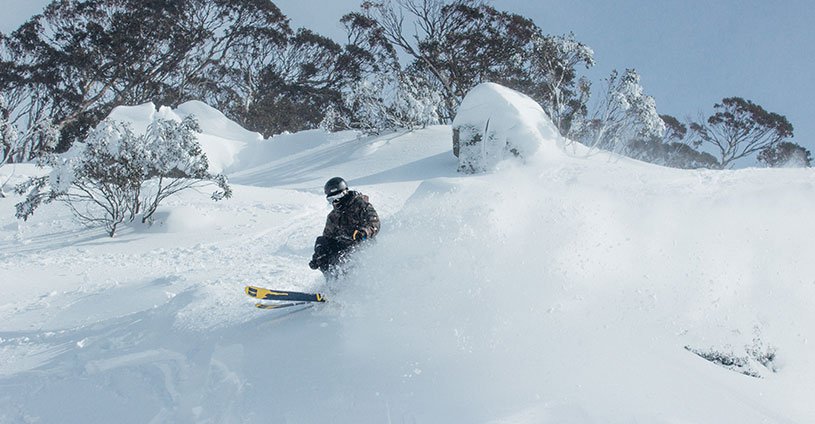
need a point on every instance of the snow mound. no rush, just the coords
(215, 123)
(495, 122)
(228, 146)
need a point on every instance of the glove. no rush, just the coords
(359, 235)
(313, 264)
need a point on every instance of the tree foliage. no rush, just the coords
(79, 59)
(456, 45)
(387, 101)
(406, 64)
(739, 128)
(273, 84)
(670, 149)
(673, 154)
(785, 154)
(674, 130)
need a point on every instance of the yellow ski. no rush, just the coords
(267, 294)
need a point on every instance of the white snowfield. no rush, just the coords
(568, 289)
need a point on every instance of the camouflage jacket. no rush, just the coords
(352, 212)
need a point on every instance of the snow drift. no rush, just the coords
(563, 290)
(494, 122)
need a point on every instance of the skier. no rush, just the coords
(352, 221)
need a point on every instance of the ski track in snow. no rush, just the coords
(565, 290)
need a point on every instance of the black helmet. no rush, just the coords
(335, 186)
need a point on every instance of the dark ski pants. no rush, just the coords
(331, 256)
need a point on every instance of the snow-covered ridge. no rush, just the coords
(565, 289)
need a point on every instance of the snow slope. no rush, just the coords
(565, 290)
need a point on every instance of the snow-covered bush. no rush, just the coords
(625, 113)
(387, 101)
(727, 359)
(495, 122)
(417, 103)
(757, 357)
(19, 146)
(553, 64)
(8, 139)
(116, 175)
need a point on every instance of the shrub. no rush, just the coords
(116, 175)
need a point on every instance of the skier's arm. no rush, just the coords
(371, 219)
(330, 229)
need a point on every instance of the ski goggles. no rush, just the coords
(335, 197)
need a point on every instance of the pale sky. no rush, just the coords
(689, 53)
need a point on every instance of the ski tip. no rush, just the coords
(271, 306)
(281, 305)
